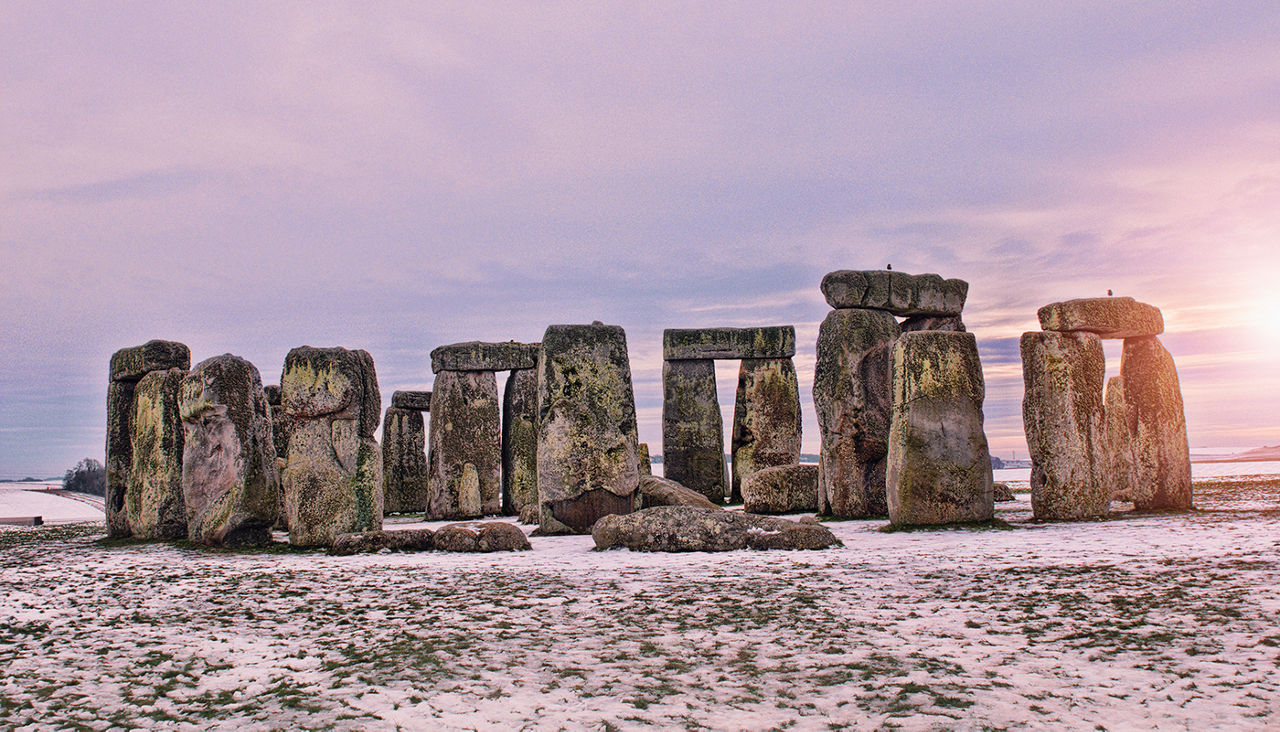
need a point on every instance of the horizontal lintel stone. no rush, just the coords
(417, 400)
(1109, 317)
(482, 356)
(688, 344)
(131, 364)
(902, 294)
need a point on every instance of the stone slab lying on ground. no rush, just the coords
(418, 400)
(781, 489)
(481, 536)
(692, 529)
(483, 356)
(131, 364)
(366, 542)
(774, 341)
(1109, 317)
(1001, 492)
(655, 491)
(900, 293)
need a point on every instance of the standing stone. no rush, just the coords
(1157, 425)
(404, 462)
(464, 461)
(281, 428)
(229, 477)
(692, 428)
(520, 442)
(643, 462)
(333, 475)
(939, 468)
(587, 438)
(781, 489)
(127, 367)
(1062, 413)
(853, 397)
(153, 498)
(766, 419)
(1118, 463)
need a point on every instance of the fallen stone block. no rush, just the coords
(368, 542)
(482, 356)
(775, 341)
(481, 536)
(692, 529)
(902, 294)
(1109, 317)
(655, 491)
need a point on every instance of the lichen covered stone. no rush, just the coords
(900, 293)
(520, 441)
(464, 460)
(154, 506)
(1118, 468)
(1108, 317)
(481, 536)
(333, 383)
(416, 400)
(644, 463)
(1157, 426)
(404, 462)
(481, 356)
(655, 491)
(781, 489)
(119, 455)
(131, 364)
(693, 529)
(773, 341)
(766, 419)
(692, 428)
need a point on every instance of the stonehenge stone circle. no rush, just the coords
(154, 506)
(766, 419)
(781, 489)
(333, 474)
(404, 461)
(1109, 317)
(1062, 413)
(419, 401)
(774, 341)
(1157, 426)
(481, 356)
(692, 428)
(853, 397)
(464, 460)
(900, 293)
(520, 442)
(126, 369)
(1119, 470)
(939, 467)
(230, 480)
(587, 439)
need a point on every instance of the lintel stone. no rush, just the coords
(1109, 317)
(131, 364)
(482, 356)
(686, 344)
(902, 294)
(416, 400)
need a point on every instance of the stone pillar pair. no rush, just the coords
(1087, 449)
(766, 421)
(900, 405)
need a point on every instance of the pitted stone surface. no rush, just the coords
(1157, 426)
(692, 428)
(693, 529)
(229, 477)
(782, 489)
(949, 323)
(643, 462)
(775, 341)
(766, 419)
(153, 499)
(481, 536)
(586, 428)
(334, 383)
(482, 356)
(1062, 414)
(520, 442)
(418, 400)
(900, 293)
(131, 364)
(404, 462)
(655, 491)
(464, 462)
(368, 542)
(939, 467)
(1119, 470)
(1109, 317)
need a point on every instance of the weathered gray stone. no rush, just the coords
(782, 489)
(587, 439)
(119, 455)
(939, 467)
(154, 505)
(1062, 414)
(853, 397)
(481, 356)
(131, 364)
(948, 323)
(1001, 492)
(644, 463)
(481, 536)
(368, 542)
(1119, 470)
(897, 292)
(273, 394)
(655, 491)
(464, 458)
(693, 529)
(417, 400)
(229, 477)
(281, 427)
(1157, 426)
(333, 474)
(766, 419)
(773, 341)
(520, 441)
(1109, 317)
(692, 428)
(404, 462)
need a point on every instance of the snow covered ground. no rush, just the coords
(34, 499)
(1156, 621)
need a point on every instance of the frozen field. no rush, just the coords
(1159, 621)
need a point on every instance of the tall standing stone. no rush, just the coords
(939, 467)
(1062, 413)
(766, 419)
(853, 397)
(281, 428)
(154, 505)
(333, 475)
(587, 439)
(692, 428)
(404, 462)
(229, 477)
(1118, 465)
(1157, 425)
(520, 442)
(464, 460)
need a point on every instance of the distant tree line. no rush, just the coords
(88, 476)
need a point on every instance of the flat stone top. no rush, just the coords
(419, 400)
(482, 356)
(687, 344)
(1109, 317)
(900, 293)
(131, 364)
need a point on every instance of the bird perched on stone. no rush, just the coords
(888, 267)
(1108, 293)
